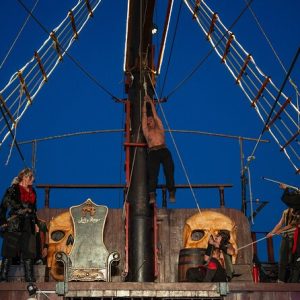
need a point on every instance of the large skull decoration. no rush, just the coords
(61, 238)
(199, 227)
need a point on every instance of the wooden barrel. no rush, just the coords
(189, 258)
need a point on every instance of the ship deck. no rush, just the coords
(167, 284)
(147, 290)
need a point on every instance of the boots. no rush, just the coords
(4, 269)
(28, 268)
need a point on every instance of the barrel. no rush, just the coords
(189, 258)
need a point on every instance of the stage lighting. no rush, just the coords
(31, 288)
(154, 29)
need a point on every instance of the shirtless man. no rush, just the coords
(158, 152)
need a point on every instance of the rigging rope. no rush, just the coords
(37, 71)
(272, 47)
(176, 148)
(121, 199)
(293, 84)
(70, 135)
(33, 158)
(277, 99)
(203, 60)
(15, 134)
(171, 50)
(69, 56)
(132, 168)
(11, 133)
(250, 190)
(258, 88)
(165, 34)
(17, 36)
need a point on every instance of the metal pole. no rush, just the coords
(243, 179)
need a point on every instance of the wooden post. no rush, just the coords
(222, 200)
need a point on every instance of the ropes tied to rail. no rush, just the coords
(259, 88)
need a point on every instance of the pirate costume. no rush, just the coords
(19, 205)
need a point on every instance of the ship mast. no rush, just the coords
(138, 59)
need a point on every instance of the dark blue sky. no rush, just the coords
(209, 101)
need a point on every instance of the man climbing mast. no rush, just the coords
(158, 153)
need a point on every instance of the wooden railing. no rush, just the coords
(49, 187)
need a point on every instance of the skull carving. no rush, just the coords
(199, 227)
(61, 238)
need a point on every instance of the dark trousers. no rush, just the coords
(295, 270)
(155, 158)
(285, 257)
(16, 243)
(213, 272)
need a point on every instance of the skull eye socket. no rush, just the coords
(57, 235)
(197, 235)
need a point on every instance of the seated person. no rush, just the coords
(217, 258)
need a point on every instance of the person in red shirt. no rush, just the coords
(18, 220)
(218, 258)
(217, 265)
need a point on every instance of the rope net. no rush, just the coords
(259, 89)
(23, 86)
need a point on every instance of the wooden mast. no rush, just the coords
(138, 58)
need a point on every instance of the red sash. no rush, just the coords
(296, 235)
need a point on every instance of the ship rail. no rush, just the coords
(48, 187)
